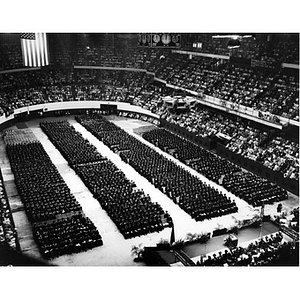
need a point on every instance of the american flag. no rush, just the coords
(34, 49)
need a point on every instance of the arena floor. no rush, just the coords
(116, 251)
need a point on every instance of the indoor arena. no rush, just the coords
(149, 149)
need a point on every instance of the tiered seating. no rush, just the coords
(277, 153)
(37, 87)
(272, 150)
(109, 85)
(86, 53)
(10, 56)
(61, 48)
(196, 198)
(204, 123)
(259, 48)
(266, 91)
(59, 94)
(49, 204)
(150, 98)
(131, 210)
(145, 118)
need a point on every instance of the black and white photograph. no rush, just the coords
(150, 148)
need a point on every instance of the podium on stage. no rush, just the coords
(231, 240)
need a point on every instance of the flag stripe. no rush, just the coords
(34, 49)
(23, 54)
(40, 43)
(28, 46)
(37, 49)
(46, 50)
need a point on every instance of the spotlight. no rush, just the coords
(233, 43)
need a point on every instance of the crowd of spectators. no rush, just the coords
(253, 189)
(285, 51)
(277, 153)
(266, 91)
(8, 234)
(245, 185)
(254, 88)
(10, 56)
(130, 209)
(56, 85)
(116, 51)
(203, 161)
(245, 139)
(281, 155)
(121, 50)
(59, 94)
(27, 88)
(199, 200)
(21, 98)
(109, 85)
(151, 96)
(61, 49)
(203, 123)
(271, 250)
(274, 151)
(35, 78)
(138, 116)
(251, 48)
(204, 43)
(58, 223)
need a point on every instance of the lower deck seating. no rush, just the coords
(203, 161)
(66, 236)
(58, 223)
(253, 189)
(130, 209)
(192, 195)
